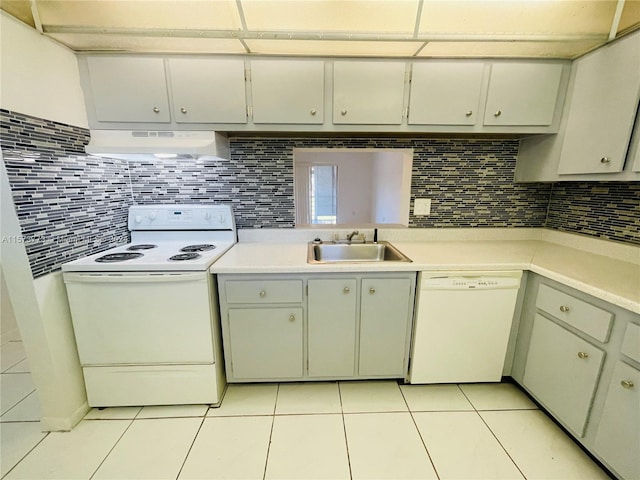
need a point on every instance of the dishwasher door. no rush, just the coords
(462, 326)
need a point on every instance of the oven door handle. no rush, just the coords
(70, 277)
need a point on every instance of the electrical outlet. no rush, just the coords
(422, 206)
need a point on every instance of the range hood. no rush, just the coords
(155, 145)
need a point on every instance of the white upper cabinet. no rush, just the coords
(368, 92)
(129, 89)
(445, 93)
(208, 90)
(603, 108)
(522, 93)
(288, 91)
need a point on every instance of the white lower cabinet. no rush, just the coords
(347, 326)
(618, 436)
(385, 313)
(562, 370)
(265, 342)
(580, 358)
(332, 327)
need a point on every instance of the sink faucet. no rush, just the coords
(352, 234)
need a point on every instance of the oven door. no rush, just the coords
(141, 318)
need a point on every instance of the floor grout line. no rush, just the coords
(111, 449)
(273, 421)
(26, 454)
(190, 446)
(492, 433)
(424, 444)
(344, 428)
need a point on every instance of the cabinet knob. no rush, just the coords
(343, 112)
(498, 113)
(313, 111)
(346, 290)
(627, 384)
(183, 110)
(292, 318)
(263, 293)
(372, 290)
(469, 113)
(156, 110)
(583, 355)
(605, 160)
(564, 308)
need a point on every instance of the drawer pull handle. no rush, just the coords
(183, 110)
(627, 383)
(343, 112)
(263, 293)
(564, 309)
(605, 160)
(313, 111)
(372, 290)
(469, 113)
(156, 110)
(346, 290)
(583, 355)
(498, 113)
(292, 318)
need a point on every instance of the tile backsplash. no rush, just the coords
(71, 204)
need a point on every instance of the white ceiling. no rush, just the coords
(372, 28)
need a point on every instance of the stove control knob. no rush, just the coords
(221, 218)
(207, 215)
(138, 219)
(152, 216)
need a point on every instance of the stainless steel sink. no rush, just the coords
(354, 252)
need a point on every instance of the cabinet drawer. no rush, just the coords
(631, 342)
(267, 291)
(591, 320)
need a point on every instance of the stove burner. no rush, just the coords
(142, 246)
(118, 257)
(198, 248)
(184, 256)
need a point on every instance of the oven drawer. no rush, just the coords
(263, 291)
(151, 385)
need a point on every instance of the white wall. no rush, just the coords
(8, 326)
(392, 187)
(38, 76)
(42, 313)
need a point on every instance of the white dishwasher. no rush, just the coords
(462, 326)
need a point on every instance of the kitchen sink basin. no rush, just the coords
(354, 253)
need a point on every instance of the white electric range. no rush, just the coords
(145, 314)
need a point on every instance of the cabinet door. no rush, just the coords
(384, 314)
(445, 93)
(129, 89)
(332, 327)
(618, 437)
(562, 371)
(522, 93)
(368, 93)
(602, 109)
(208, 90)
(266, 343)
(288, 91)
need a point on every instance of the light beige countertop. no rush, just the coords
(611, 279)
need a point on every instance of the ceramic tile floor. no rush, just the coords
(332, 430)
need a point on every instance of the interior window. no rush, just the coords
(352, 186)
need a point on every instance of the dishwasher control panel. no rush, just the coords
(453, 281)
